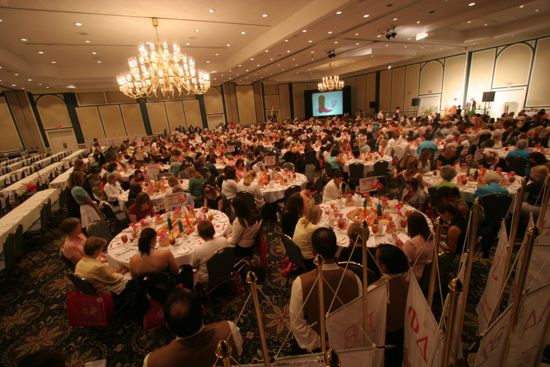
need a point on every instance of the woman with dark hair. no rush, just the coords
(456, 228)
(229, 184)
(73, 245)
(141, 208)
(133, 191)
(149, 259)
(420, 247)
(89, 210)
(245, 228)
(240, 168)
(394, 265)
(293, 211)
(413, 194)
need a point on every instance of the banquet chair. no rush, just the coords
(516, 164)
(220, 273)
(357, 269)
(356, 172)
(294, 254)
(102, 229)
(11, 252)
(289, 166)
(82, 284)
(310, 171)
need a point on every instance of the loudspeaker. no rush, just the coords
(488, 97)
(372, 104)
(415, 102)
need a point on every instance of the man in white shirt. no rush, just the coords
(204, 252)
(304, 299)
(333, 189)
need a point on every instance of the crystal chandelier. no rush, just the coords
(161, 69)
(329, 83)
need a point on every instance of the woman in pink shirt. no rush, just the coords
(420, 247)
(73, 246)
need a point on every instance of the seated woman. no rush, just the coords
(240, 168)
(293, 211)
(212, 198)
(73, 246)
(112, 188)
(414, 195)
(89, 210)
(308, 194)
(492, 185)
(447, 175)
(420, 247)
(175, 185)
(302, 234)
(355, 234)
(245, 228)
(456, 228)
(141, 208)
(248, 185)
(534, 190)
(204, 252)
(133, 192)
(229, 185)
(447, 157)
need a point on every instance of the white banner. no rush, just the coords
(456, 348)
(362, 357)
(495, 281)
(530, 329)
(421, 330)
(539, 267)
(491, 347)
(345, 325)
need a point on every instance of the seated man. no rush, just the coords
(491, 180)
(304, 310)
(333, 189)
(195, 343)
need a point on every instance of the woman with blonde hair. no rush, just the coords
(303, 231)
(248, 185)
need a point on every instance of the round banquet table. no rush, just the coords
(157, 197)
(274, 191)
(467, 191)
(125, 174)
(382, 236)
(119, 253)
(368, 160)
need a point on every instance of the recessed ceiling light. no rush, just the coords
(386, 45)
(287, 51)
(271, 59)
(378, 36)
(39, 84)
(311, 52)
(338, 12)
(99, 61)
(53, 62)
(257, 65)
(366, 15)
(329, 32)
(197, 30)
(251, 59)
(389, 66)
(228, 44)
(216, 54)
(356, 34)
(87, 41)
(394, 19)
(208, 61)
(471, 4)
(246, 71)
(264, 15)
(94, 53)
(286, 40)
(239, 65)
(1, 20)
(47, 87)
(211, 11)
(304, 30)
(78, 24)
(24, 39)
(469, 22)
(417, 22)
(537, 10)
(405, 46)
(356, 43)
(29, 80)
(187, 43)
(15, 74)
(309, 41)
(293, 59)
(41, 52)
(485, 25)
(335, 42)
(243, 33)
(71, 86)
(522, 6)
(13, 85)
(266, 50)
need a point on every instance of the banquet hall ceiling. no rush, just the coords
(47, 45)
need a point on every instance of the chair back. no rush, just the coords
(220, 267)
(83, 285)
(291, 190)
(10, 252)
(357, 170)
(310, 171)
(174, 200)
(293, 252)
(516, 164)
(102, 229)
(249, 198)
(357, 269)
(495, 207)
(381, 168)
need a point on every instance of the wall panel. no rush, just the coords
(453, 81)
(53, 112)
(539, 86)
(90, 98)
(352, 82)
(90, 123)
(370, 93)
(512, 66)
(412, 79)
(397, 88)
(431, 78)
(481, 72)
(9, 138)
(176, 116)
(271, 89)
(284, 101)
(298, 99)
(385, 90)
(245, 102)
(360, 93)
(157, 116)
(133, 120)
(112, 121)
(192, 112)
(213, 101)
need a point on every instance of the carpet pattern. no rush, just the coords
(33, 315)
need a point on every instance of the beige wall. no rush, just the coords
(9, 139)
(246, 105)
(25, 120)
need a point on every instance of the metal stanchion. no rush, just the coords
(365, 260)
(251, 279)
(223, 352)
(330, 358)
(435, 263)
(515, 219)
(545, 198)
(517, 291)
(455, 288)
(321, 290)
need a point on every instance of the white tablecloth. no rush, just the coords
(24, 160)
(120, 253)
(74, 156)
(157, 198)
(374, 239)
(274, 191)
(17, 174)
(19, 187)
(25, 214)
(62, 181)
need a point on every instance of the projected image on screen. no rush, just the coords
(327, 103)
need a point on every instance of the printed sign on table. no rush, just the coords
(269, 160)
(368, 184)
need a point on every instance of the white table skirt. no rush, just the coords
(19, 186)
(120, 253)
(276, 191)
(157, 199)
(62, 181)
(74, 156)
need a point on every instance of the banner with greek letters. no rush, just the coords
(539, 267)
(495, 281)
(345, 325)
(422, 346)
(530, 330)
(491, 347)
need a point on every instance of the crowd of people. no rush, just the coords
(222, 167)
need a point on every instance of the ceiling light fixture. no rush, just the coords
(53, 62)
(304, 30)
(71, 86)
(522, 6)
(472, 4)
(338, 12)
(24, 39)
(211, 11)
(197, 30)
(78, 24)
(309, 41)
(41, 52)
(421, 36)
(94, 53)
(264, 15)
(469, 22)
(159, 68)
(394, 19)
(29, 80)
(228, 44)
(356, 34)
(243, 33)
(286, 40)
(366, 15)
(87, 41)
(329, 32)
(330, 83)
(99, 61)
(417, 22)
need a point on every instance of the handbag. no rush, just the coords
(89, 310)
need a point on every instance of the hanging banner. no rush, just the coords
(495, 281)
(530, 330)
(539, 267)
(345, 325)
(362, 357)
(421, 330)
(491, 347)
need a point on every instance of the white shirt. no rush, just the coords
(229, 188)
(306, 337)
(202, 254)
(243, 236)
(255, 191)
(113, 191)
(331, 192)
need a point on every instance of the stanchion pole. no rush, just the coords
(321, 290)
(251, 279)
(331, 359)
(455, 288)
(545, 203)
(435, 262)
(515, 219)
(223, 352)
(517, 291)
(365, 260)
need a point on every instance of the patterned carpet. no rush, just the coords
(33, 316)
